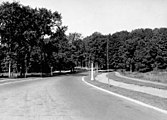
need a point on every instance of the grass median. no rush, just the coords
(154, 76)
(128, 81)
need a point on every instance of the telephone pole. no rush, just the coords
(107, 56)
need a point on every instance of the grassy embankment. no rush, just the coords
(129, 81)
(154, 76)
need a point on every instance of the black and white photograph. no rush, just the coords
(83, 59)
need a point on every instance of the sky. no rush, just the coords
(105, 16)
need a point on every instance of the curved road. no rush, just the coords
(66, 98)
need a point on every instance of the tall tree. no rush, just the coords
(22, 28)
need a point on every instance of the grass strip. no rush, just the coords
(154, 76)
(128, 81)
(146, 98)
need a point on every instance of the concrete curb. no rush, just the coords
(126, 98)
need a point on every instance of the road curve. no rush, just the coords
(66, 98)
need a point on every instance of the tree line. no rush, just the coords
(140, 50)
(34, 40)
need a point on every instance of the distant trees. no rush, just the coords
(139, 50)
(95, 46)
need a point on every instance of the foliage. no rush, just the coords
(139, 50)
(22, 29)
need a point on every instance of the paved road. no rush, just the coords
(66, 98)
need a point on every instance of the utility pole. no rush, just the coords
(107, 56)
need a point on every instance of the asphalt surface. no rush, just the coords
(66, 98)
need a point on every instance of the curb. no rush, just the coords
(126, 98)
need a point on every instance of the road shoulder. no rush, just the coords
(143, 99)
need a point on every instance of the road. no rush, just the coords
(66, 98)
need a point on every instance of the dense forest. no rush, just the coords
(139, 50)
(35, 40)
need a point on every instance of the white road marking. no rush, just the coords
(127, 98)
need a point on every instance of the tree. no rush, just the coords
(22, 28)
(9, 22)
(95, 47)
(74, 37)
(116, 49)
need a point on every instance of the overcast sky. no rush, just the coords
(106, 16)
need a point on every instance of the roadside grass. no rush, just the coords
(155, 76)
(15, 77)
(146, 98)
(36, 75)
(112, 76)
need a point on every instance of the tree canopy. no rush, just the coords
(22, 31)
(139, 50)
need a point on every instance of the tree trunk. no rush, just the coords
(9, 74)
